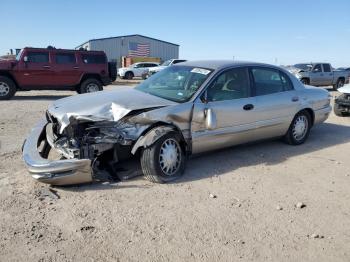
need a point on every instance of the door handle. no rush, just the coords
(248, 107)
(46, 66)
(76, 67)
(295, 99)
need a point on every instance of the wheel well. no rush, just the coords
(306, 78)
(341, 78)
(7, 74)
(311, 113)
(183, 143)
(130, 72)
(87, 76)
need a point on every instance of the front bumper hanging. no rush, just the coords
(54, 172)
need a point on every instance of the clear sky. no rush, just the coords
(271, 31)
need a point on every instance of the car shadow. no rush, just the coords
(39, 97)
(272, 152)
(219, 162)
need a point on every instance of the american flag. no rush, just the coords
(136, 49)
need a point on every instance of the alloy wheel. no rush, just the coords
(4, 89)
(170, 156)
(300, 127)
(92, 87)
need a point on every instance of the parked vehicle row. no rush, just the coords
(184, 109)
(153, 70)
(320, 74)
(56, 69)
(135, 70)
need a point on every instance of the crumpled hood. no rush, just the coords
(345, 89)
(103, 105)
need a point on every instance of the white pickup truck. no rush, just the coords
(320, 74)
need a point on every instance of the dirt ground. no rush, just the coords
(236, 204)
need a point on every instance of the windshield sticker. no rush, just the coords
(180, 94)
(200, 71)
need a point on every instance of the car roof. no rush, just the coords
(221, 64)
(312, 63)
(61, 50)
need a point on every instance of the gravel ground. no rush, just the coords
(263, 202)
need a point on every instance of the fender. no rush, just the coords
(151, 137)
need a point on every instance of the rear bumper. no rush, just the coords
(321, 115)
(107, 80)
(54, 172)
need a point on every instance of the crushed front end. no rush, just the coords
(87, 151)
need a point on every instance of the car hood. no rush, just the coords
(124, 68)
(345, 89)
(6, 64)
(103, 106)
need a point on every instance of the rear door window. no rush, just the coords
(150, 65)
(38, 57)
(93, 59)
(326, 68)
(62, 58)
(269, 81)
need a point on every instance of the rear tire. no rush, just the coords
(129, 75)
(299, 129)
(164, 161)
(339, 84)
(7, 88)
(90, 85)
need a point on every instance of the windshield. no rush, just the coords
(175, 83)
(18, 56)
(305, 67)
(166, 63)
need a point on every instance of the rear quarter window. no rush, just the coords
(93, 59)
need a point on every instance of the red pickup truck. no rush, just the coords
(55, 69)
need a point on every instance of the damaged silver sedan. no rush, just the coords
(185, 109)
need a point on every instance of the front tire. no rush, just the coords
(90, 85)
(7, 88)
(164, 161)
(299, 129)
